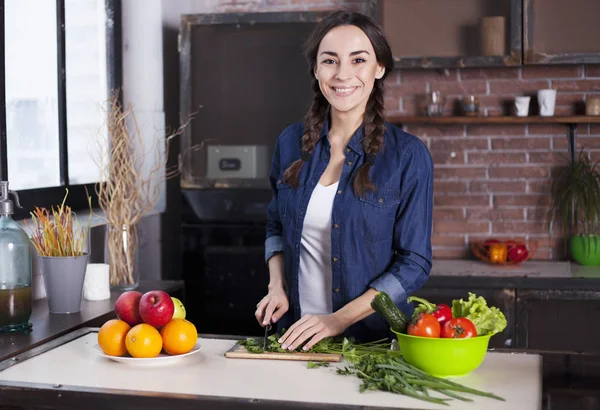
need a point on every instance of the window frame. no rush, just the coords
(52, 196)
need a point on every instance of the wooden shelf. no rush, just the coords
(457, 62)
(574, 119)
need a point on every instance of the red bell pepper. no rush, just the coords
(441, 312)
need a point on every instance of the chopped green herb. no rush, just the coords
(314, 365)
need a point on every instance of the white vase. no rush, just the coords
(546, 101)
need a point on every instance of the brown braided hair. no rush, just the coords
(374, 117)
(313, 123)
(374, 121)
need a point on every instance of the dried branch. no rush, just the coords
(126, 192)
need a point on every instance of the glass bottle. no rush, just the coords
(15, 268)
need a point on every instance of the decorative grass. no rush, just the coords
(57, 232)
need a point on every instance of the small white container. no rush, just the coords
(547, 102)
(96, 285)
(522, 106)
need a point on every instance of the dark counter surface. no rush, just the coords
(546, 275)
(47, 326)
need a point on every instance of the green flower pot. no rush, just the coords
(580, 251)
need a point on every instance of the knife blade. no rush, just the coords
(267, 328)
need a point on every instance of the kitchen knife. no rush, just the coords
(267, 328)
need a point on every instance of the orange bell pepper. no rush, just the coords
(497, 253)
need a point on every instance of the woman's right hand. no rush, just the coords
(273, 306)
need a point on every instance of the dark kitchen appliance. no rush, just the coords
(243, 79)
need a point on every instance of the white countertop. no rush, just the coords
(516, 377)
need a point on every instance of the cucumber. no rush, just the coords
(383, 304)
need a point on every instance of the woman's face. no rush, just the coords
(346, 68)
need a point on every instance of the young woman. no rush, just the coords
(352, 197)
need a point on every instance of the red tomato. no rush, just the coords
(426, 325)
(459, 328)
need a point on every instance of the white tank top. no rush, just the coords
(314, 276)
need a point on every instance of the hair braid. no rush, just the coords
(373, 140)
(313, 123)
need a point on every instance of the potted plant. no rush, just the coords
(575, 202)
(60, 242)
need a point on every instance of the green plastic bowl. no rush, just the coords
(443, 357)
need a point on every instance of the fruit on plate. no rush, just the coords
(179, 312)
(425, 325)
(156, 308)
(179, 336)
(127, 307)
(459, 328)
(143, 341)
(111, 337)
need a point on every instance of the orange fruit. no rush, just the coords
(179, 336)
(111, 337)
(143, 341)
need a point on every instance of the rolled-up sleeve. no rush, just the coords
(274, 241)
(412, 230)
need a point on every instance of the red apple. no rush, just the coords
(127, 307)
(156, 308)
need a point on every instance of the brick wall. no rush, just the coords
(490, 180)
(494, 180)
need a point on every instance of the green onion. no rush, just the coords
(380, 368)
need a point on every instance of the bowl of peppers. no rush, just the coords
(504, 252)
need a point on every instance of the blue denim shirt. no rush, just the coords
(380, 241)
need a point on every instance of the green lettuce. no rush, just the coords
(485, 318)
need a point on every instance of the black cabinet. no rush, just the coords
(558, 320)
(571, 381)
(225, 277)
(503, 299)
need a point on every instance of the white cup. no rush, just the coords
(546, 101)
(96, 285)
(522, 106)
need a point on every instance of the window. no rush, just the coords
(60, 61)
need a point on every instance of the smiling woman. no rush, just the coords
(347, 79)
(357, 194)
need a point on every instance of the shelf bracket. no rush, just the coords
(572, 138)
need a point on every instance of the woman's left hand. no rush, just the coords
(313, 327)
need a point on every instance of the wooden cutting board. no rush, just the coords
(240, 352)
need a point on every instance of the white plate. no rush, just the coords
(161, 359)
